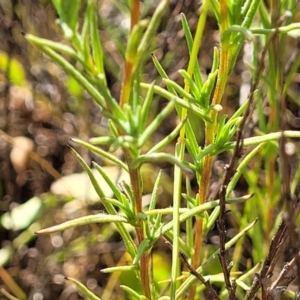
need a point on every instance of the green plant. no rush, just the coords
(130, 130)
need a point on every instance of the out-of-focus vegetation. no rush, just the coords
(220, 122)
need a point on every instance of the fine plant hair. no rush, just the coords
(213, 270)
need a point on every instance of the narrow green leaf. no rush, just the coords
(146, 106)
(160, 157)
(226, 132)
(113, 129)
(100, 94)
(127, 142)
(207, 89)
(112, 185)
(82, 42)
(131, 292)
(95, 39)
(143, 246)
(242, 285)
(170, 137)
(134, 41)
(270, 137)
(210, 149)
(58, 47)
(130, 245)
(194, 89)
(215, 4)
(71, 70)
(216, 60)
(119, 269)
(190, 42)
(102, 140)
(274, 136)
(198, 210)
(238, 39)
(157, 225)
(191, 279)
(117, 203)
(189, 106)
(128, 201)
(241, 110)
(245, 7)
(212, 219)
(163, 74)
(191, 142)
(68, 11)
(190, 199)
(99, 218)
(187, 213)
(236, 11)
(239, 29)
(155, 123)
(101, 152)
(141, 215)
(154, 194)
(243, 164)
(136, 99)
(83, 289)
(251, 272)
(189, 224)
(165, 211)
(131, 125)
(179, 90)
(151, 30)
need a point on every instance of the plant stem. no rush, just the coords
(135, 13)
(126, 85)
(274, 95)
(179, 152)
(134, 173)
(129, 64)
(210, 134)
(136, 184)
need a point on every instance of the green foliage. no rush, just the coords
(131, 128)
(68, 14)
(83, 289)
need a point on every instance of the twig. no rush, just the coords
(284, 279)
(286, 229)
(228, 174)
(212, 293)
(291, 201)
(278, 244)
